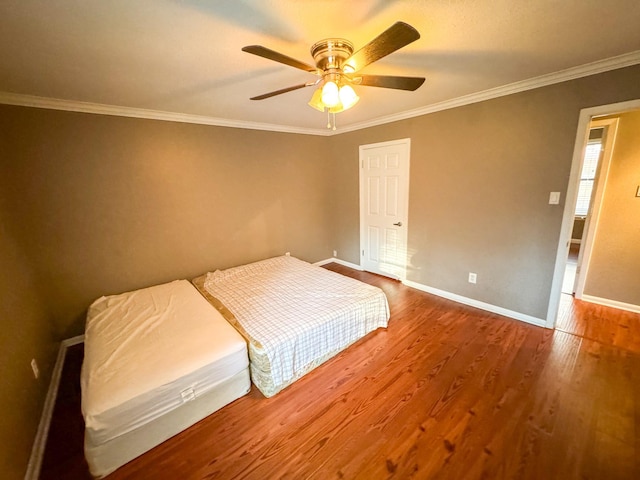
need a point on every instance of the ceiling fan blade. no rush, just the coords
(399, 83)
(399, 35)
(269, 54)
(284, 90)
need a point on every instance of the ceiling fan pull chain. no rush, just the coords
(334, 121)
(328, 119)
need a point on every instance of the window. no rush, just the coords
(589, 168)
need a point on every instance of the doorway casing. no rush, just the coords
(591, 222)
(562, 252)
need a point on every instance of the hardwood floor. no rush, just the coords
(599, 323)
(570, 269)
(447, 391)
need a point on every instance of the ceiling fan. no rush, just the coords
(337, 67)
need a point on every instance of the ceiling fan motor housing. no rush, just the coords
(330, 54)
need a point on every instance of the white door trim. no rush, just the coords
(564, 240)
(361, 149)
(591, 222)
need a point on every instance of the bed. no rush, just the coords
(157, 360)
(294, 315)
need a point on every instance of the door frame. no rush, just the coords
(564, 240)
(405, 200)
(593, 215)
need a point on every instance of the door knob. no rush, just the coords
(399, 224)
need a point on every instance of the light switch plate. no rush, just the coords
(554, 198)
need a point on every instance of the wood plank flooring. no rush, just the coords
(447, 392)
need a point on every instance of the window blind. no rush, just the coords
(587, 177)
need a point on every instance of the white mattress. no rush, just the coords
(150, 351)
(104, 458)
(293, 314)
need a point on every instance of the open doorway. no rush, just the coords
(588, 118)
(592, 182)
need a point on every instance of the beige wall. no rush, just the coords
(26, 334)
(480, 181)
(615, 258)
(106, 204)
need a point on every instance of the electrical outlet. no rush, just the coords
(34, 367)
(335, 253)
(472, 277)
(288, 254)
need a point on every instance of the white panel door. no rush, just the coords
(384, 199)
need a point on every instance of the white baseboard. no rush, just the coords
(40, 442)
(477, 304)
(340, 262)
(453, 296)
(576, 241)
(611, 303)
(70, 342)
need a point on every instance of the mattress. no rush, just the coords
(104, 458)
(149, 352)
(294, 315)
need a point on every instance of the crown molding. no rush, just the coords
(601, 66)
(119, 111)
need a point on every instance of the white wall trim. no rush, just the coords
(477, 304)
(40, 442)
(120, 111)
(70, 342)
(324, 262)
(339, 262)
(453, 296)
(600, 66)
(611, 303)
(591, 222)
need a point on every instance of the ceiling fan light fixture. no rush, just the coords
(348, 97)
(330, 94)
(316, 100)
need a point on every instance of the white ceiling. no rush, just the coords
(184, 56)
